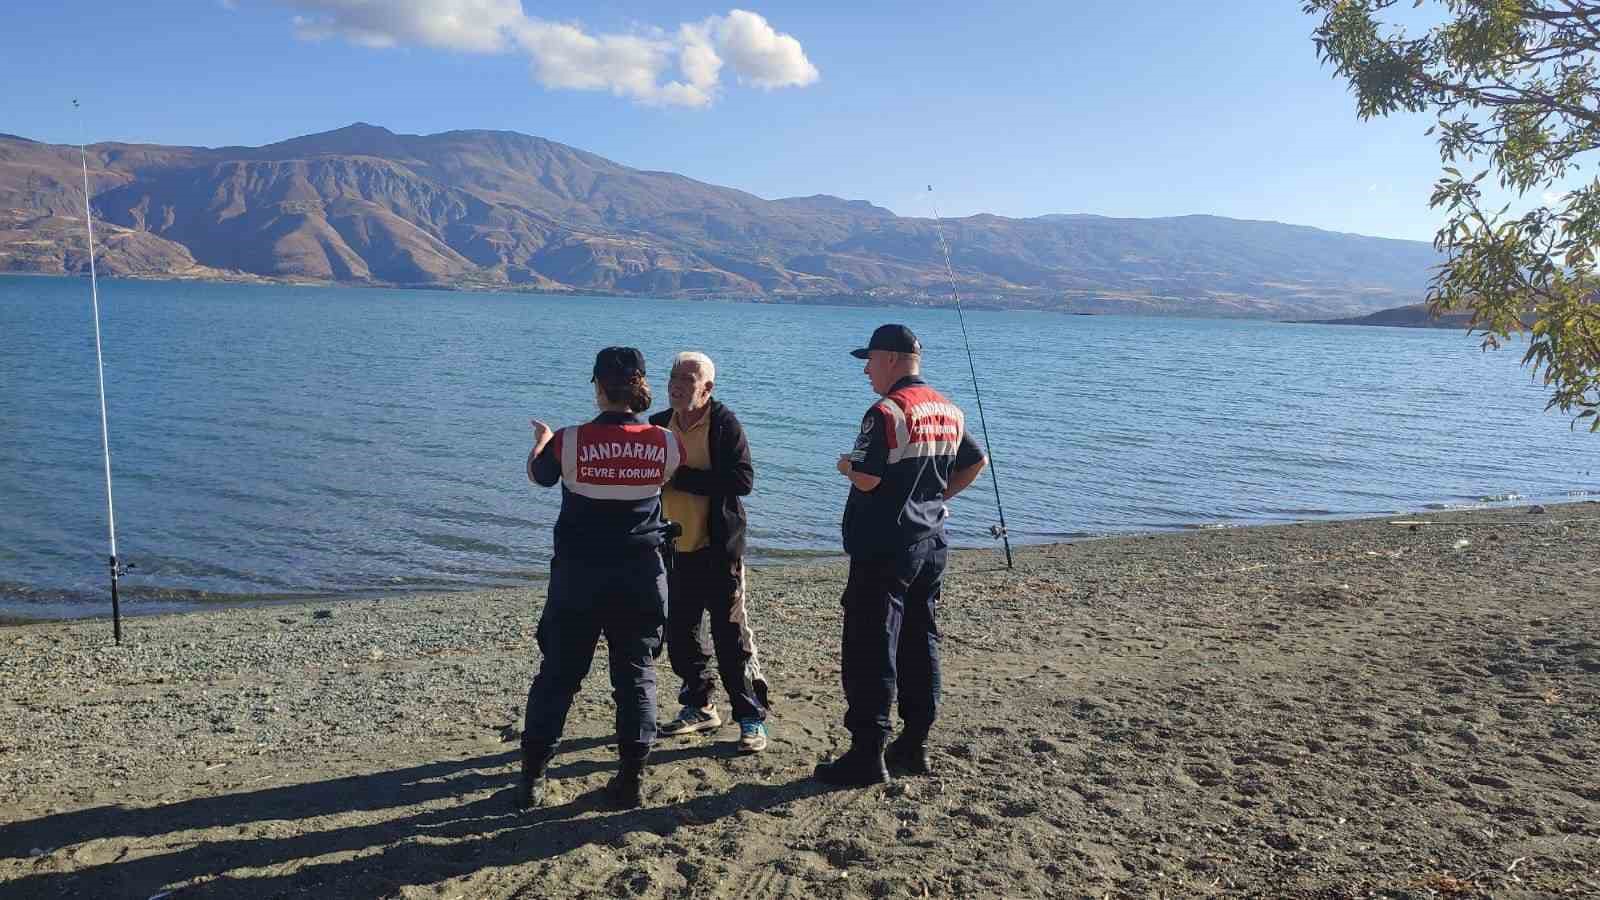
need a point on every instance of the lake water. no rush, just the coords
(287, 441)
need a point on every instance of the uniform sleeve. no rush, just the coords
(683, 454)
(545, 469)
(870, 455)
(969, 453)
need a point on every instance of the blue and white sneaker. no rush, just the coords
(692, 719)
(752, 736)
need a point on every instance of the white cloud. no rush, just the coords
(565, 56)
(475, 26)
(759, 53)
(697, 56)
(632, 66)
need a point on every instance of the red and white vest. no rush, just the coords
(617, 462)
(921, 423)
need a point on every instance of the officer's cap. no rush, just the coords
(617, 363)
(897, 338)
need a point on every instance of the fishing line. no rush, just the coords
(994, 470)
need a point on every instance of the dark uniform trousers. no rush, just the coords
(708, 584)
(891, 641)
(626, 600)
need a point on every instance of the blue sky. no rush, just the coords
(1019, 109)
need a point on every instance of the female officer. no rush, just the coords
(606, 576)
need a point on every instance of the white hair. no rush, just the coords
(707, 367)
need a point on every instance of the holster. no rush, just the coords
(670, 532)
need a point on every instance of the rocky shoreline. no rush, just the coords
(1342, 709)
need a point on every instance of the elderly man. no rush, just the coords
(708, 571)
(912, 455)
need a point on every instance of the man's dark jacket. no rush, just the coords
(730, 477)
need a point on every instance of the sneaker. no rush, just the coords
(752, 736)
(692, 719)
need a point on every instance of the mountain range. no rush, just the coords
(1416, 315)
(501, 210)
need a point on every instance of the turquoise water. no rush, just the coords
(322, 441)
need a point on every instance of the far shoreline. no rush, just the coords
(11, 616)
(829, 301)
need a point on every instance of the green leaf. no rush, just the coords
(1500, 79)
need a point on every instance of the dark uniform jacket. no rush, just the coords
(611, 471)
(912, 439)
(730, 477)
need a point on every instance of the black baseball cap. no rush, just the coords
(618, 363)
(897, 338)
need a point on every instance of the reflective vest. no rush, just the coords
(611, 478)
(617, 462)
(922, 425)
(922, 432)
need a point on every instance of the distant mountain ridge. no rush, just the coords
(1416, 315)
(502, 210)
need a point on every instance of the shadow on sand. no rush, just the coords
(394, 843)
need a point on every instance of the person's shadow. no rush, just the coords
(438, 840)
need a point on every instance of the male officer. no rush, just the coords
(913, 454)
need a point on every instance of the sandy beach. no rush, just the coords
(1328, 710)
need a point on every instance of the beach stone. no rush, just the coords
(841, 852)
(977, 815)
(1281, 840)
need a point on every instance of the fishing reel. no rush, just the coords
(998, 532)
(119, 569)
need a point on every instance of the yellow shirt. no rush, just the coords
(692, 511)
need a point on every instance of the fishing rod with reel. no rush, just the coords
(117, 569)
(998, 531)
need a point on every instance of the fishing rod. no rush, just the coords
(100, 368)
(994, 470)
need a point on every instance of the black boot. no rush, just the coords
(626, 791)
(534, 784)
(908, 754)
(860, 766)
